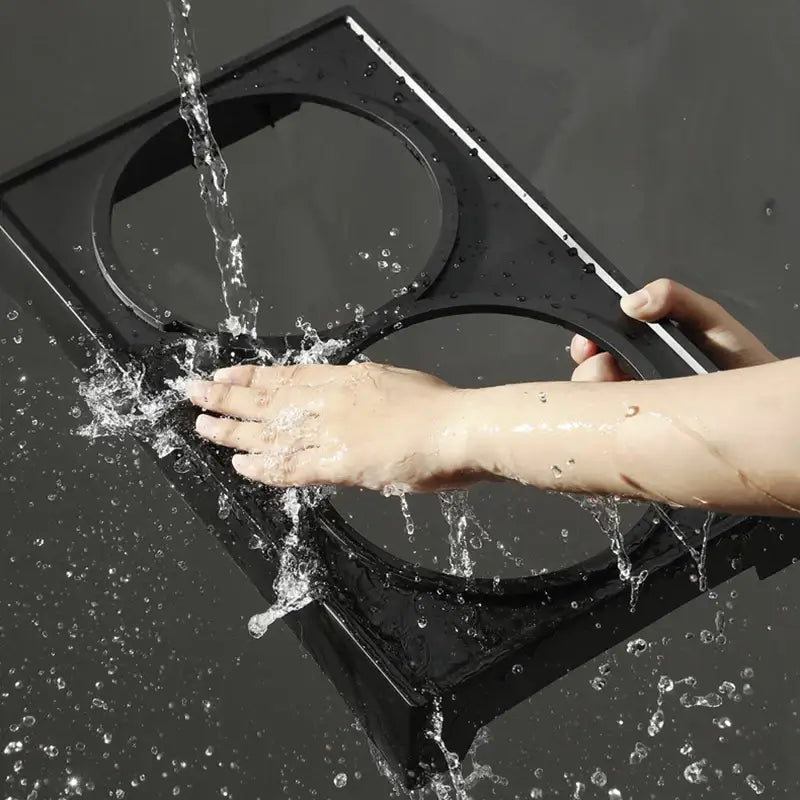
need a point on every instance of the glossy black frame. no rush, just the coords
(502, 248)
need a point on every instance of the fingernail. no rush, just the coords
(205, 425)
(195, 389)
(581, 344)
(243, 465)
(636, 301)
(225, 375)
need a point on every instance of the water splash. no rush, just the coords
(458, 513)
(605, 511)
(212, 171)
(466, 534)
(455, 785)
(122, 404)
(698, 556)
(295, 584)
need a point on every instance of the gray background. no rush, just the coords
(663, 130)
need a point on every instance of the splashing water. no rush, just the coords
(121, 404)
(212, 172)
(459, 784)
(698, 556)
(466, 534)
(605, 511)
(457, 512)
(294, 585)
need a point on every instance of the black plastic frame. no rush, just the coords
(502, 248)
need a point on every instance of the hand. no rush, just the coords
(368, 425)
(704, 321)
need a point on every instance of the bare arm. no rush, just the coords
(728, 441)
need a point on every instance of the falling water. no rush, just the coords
(457, 511)
(605, 511)
(294, 586)
(212, 172)
(699, 556)
(458, 786)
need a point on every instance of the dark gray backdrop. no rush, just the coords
(664, 130)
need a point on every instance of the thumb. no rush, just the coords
(704, 321)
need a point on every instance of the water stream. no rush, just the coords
(212, 171)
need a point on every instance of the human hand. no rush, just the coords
(368, 425)
(704, 321)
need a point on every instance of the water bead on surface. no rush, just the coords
(340, 781)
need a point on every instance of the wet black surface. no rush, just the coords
(665, 132)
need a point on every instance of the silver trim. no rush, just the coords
(529, 201)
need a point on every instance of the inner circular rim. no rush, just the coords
(441, 179)
(337, 525)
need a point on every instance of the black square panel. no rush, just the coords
(500, 248)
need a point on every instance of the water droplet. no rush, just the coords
(517, 669)
(50, 750)
(755, 784)
(632, 411)
(363, 255)
(28, 721)
(536, 794)
(422, 622)
(694, 772)
(636, 647)
(383, 264)
(340, 781)
(639, 754)
(75, 412)
(599, 778)
(12, 747)
(394, 231)
(614, 794)
(542, 397)
(747, 672)
(397, 267)
(598, 683)
(656, 724)
(12, 315)
(665, 684)
(18, 339)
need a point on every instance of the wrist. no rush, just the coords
(457, 436)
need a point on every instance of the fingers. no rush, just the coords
(724, 340)
(252, 437)
(284, 468)
(598, 368)
(581, 348)
(231, 400)
(253, 377)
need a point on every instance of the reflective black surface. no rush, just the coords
(665, 133)
(352, 169)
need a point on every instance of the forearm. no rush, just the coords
(727, 441)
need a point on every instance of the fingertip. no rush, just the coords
(243, 464)
(636, 304)
(234, 375)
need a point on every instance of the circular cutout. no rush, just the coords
(335, 211)
(503, 530)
